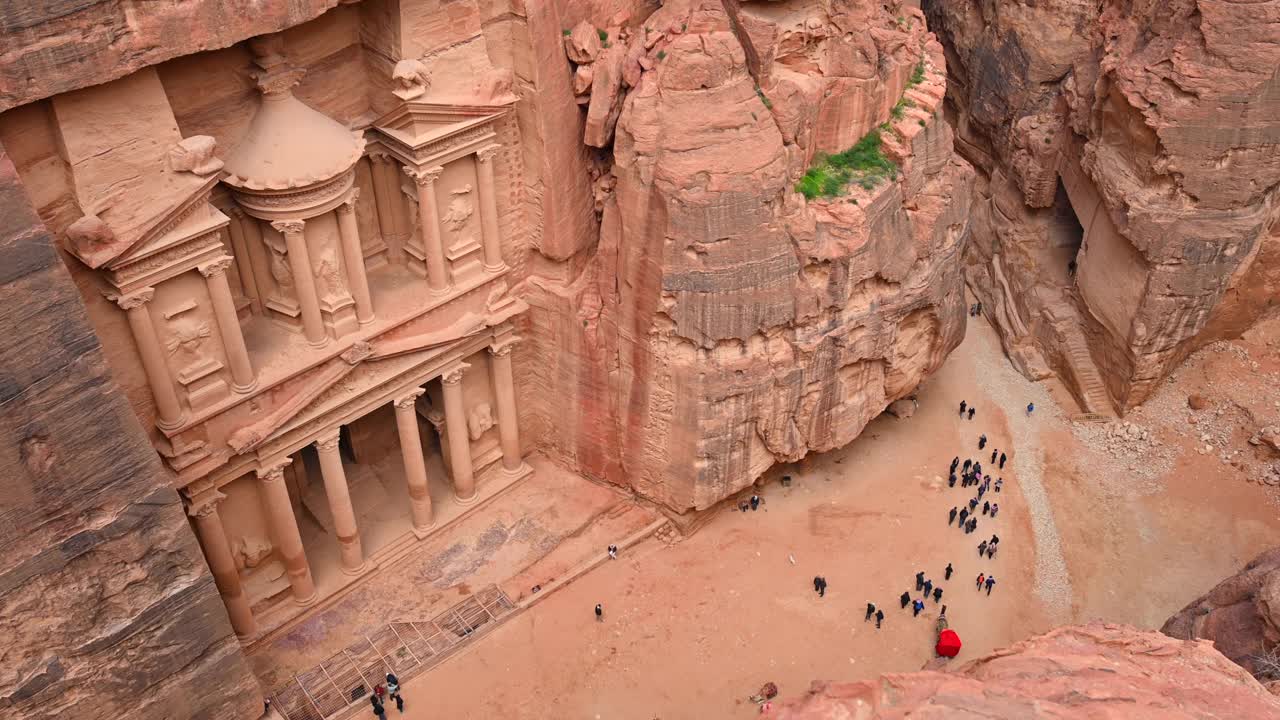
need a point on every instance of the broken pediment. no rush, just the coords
(423, 129)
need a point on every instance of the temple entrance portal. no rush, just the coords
(1066, 237)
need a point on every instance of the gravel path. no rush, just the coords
(1000, 382)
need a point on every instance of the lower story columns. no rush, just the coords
(339, 496)
(217, 551)
(280, 515)
(455, 418)
(415, 466)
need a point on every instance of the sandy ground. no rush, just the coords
(691, 629)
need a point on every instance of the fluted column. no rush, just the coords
(336, 490)
(489, 209)
(353, 254)
(429, 221)
(504, 389)
(455, 418)
(170, 415)
(217, 551)
(280, 512)
(304, 282)
(415, 467)
(224, 311)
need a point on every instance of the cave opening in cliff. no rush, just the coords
(1065, 237)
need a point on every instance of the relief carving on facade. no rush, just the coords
(412, 79)
(458, 215)
(251, 551)
(329, 276)
(479, 420)
(186, 338)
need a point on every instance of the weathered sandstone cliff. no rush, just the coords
(1137, 139)
(724, 322)
(1241, 615)
(107, 608)
(1088, 671)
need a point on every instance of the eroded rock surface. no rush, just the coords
(1137, 140)
(726, 323)
(1087, 671)
(1241, 615)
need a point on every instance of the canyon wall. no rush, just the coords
(1087, 671)
(724, 322)
(1126, 202)
(107, 608)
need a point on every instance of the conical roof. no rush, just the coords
(291, 145)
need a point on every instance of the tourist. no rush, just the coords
(744, 506)
(928, 587)
(755, 502)
(952, 518)
(986, 507)
(981, 579)
(871, 610)
(991, 580)
(822, 587)
(954, 462)
(967, 464)
(380, 693)
(982, 548)
(973, 505)
(916, 607)
(977, 309)
(999, 484)
(977, 469)
(599, 612)
(982, 441)
(994, 455)
(995, 508)
(817, 583)
(991, 552)
(962, 407)
(613, 552)
(973, 524)
(970, 413)
(947, 573)
(880, 616)
(378, 710)
(1031, 407)
(964, 516)
(919, 580)
(1002, 459)
(937, 594)
(905, 598)
(393, 691)
(995, 538)
(951, 481)
(982, 490)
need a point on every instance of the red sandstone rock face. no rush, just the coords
(726, 323)
(1088, 671)
(1241, 615)
(1153, 125)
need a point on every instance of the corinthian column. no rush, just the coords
(353, 255)
(217, 551)
(304, 282)
(504, 390)
(415, 468)
(168, 410)
(489, 209)
(429, 221)
(336, 490)
(455, 418)
(280, 512)
(224, 311)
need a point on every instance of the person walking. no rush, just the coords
(986, 507)
(871, 610)
(613, 552)
(928, 587)
(982, 548)
(970, 413)
(995, 538)
(982, 441)
(1031, 407)
(1003, 457)
(916, 606)
(905, 598)
(379, 711)
(954, 462)
(977, 309)
(599, 612)
(963, 405)
(822, 587)
(994, 455)
(991, 580)
(964, 517)
(393, 691)
(977, 470)
(991, 552)
(937, 594)
(919, 580)
(999, 484)
(946, 574)
(973, 505)
(880, 617)
(951, 481)
(967, 464)
(755, 502)
(982, 490)
(995, 508)
(973, 524)
(952, 517)
(981, 578)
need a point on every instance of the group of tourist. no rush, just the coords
(382, 693)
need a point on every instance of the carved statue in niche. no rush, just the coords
(251, 551)
(280, 267)
(186, 335)
(479, 420)
(195, 155)
(329, 274)
(459, 213)
(412, 79)
(89, 234)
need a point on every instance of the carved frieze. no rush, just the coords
(170, 257)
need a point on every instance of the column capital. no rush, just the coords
(234, 211)
(453, 375)
(349, 205)
(327, 441)
(503, 347)
(273, 471)
(486, 153)
(289, 226)
(205, 504)
(409, 399)
(217, 266)
(423, 177)
(133, 300)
